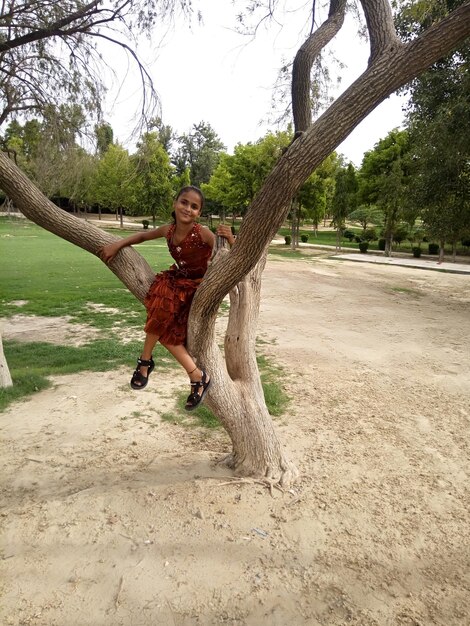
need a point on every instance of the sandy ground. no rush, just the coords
(111, 516)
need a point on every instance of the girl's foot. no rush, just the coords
(198, 390)
(141, 375)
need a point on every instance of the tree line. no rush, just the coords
(414, 183)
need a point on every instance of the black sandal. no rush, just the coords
(138, 380)
(194, 398)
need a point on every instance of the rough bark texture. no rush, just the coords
(304, 59)
(236, 396)
(5, 377)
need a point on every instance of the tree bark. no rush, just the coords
(5, 377)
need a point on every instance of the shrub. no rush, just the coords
(433, 248)
(416, 250)
(288, 240)
(357, 239)
(369, 235)
(400, 235)
(466, 242)
(304, 238)
(348, 234)
(145, 224)
(382, 244)
(363, 246)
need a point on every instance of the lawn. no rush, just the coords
(50, 277)
(47, 276)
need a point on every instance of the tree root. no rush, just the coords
(281, 477)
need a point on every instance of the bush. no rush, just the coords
(304, 238)
(399, 235)
(381, 244)
(369, 235)
(466, 242)
(363, 246)
(288, 240)
(433, 248)
(145, 224)
(416, 250)
(348, 234)
(357, 239)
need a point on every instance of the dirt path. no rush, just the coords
(112, 517)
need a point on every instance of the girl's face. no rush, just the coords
(187, 207)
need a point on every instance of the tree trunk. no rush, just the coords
(236, 396)
(5, 377)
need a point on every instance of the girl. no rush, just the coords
(169, 298)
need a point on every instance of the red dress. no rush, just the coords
(170, 296)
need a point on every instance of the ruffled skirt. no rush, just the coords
(168, 302)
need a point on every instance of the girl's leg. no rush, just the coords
(149, 344)
(185, 360)
(195, 375)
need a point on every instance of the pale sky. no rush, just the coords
(210, 73)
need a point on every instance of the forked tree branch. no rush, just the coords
(304, 59)
(388, 72)
(379, 20)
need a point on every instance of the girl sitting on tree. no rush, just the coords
(169, 298)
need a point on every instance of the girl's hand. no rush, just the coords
(225, 231)
(107, 253)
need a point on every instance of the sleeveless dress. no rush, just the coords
(170, 296)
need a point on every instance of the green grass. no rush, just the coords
(275, 397)
(56, 278)
(52, 277)
(32, 363)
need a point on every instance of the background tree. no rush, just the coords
(152, 188)
(367, 215)
(199, 151)
(382, 181)
(344, 199)
(113, 184)
(439, 130)
(236, 395)
(104, 137)
(238, 177)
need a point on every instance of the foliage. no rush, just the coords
(316, 194)
(49, 52)
(383, 178)
(113, 184)
(199, 152)
(439, 123)
(344, 199)
(365, 215)
(152, 190)
(238, 177)
(50, 154)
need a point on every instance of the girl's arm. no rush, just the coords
(107, 253)
(225, 231)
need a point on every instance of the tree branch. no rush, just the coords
(302, 67)
(56, 28)
(389, 72)
(379, 19)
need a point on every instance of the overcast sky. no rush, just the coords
(210, 73)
